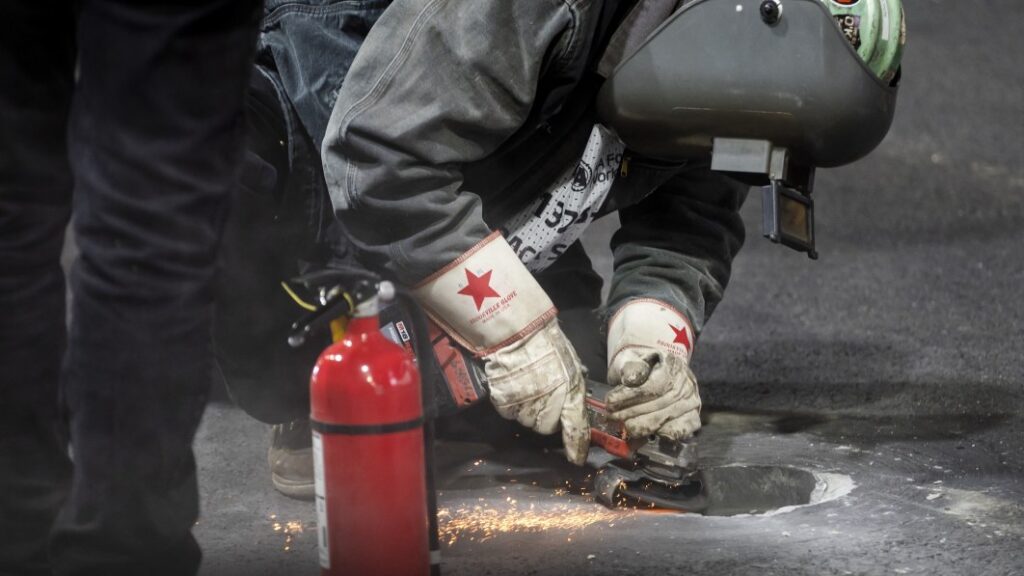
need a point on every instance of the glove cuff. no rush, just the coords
(486, 299)
(649, 323)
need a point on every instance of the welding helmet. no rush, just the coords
(817, 78)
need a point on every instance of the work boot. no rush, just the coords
(291, 459)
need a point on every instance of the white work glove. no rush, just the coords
(490, 303)
(538, 381)
(654, 391)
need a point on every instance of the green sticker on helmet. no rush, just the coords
(876, 29)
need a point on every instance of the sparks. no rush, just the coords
(481, 523)
(290, 529)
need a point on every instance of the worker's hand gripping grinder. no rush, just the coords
(650, 469)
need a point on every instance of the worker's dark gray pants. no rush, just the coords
(148, 139)
(279, 228)
(264, 244)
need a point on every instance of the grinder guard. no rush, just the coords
(717, 69)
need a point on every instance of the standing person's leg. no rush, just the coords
(155, 141)
(37, 59)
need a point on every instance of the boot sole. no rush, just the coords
(299, 490)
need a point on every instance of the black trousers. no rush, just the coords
(137, 110)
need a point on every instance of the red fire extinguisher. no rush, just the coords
(368, 450)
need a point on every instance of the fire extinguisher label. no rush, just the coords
(321, 502)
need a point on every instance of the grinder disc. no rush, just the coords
(687, 496)
(617, 487)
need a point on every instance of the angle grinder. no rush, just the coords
(650, 472)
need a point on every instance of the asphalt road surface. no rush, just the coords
(891, 369)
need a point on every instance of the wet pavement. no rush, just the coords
(883, 383)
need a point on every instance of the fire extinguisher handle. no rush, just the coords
(338, 303)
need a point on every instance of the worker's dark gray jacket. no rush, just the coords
(456, 115)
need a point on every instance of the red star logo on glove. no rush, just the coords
(682, 337)
(479, 287)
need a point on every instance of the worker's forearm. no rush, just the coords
(677, 245)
